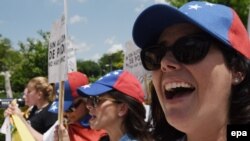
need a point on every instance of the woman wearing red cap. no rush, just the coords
(76, 114)
(199, 57)
(115, 103)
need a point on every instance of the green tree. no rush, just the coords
(34, 62)
(105, 64)
(9, 60)
(90, 68)
(113, 61)
(241, 7)
(8, 56)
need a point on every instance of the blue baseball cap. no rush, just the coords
(218, 20)
(119, 80)
(75, 80)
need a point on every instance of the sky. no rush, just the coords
(95, 26)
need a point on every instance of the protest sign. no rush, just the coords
(57, 52)
(132, 63)
(71, 57)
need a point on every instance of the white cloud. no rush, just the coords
(82, 50)
(114, 45)
(76, 19)
(139, 8)
(81, 1)
(110, 40)
(54, 1)
(96, 57)
(160, 1)
(82, 47)
(114, 48)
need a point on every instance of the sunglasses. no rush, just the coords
(187, 50)
(96, 100)
(76, 104)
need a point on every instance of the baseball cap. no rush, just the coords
(75, 80)
(218, 20)
(119, 80)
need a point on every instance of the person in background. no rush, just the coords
(199, 57)
(115, 103)
(40, 95)
(76, 114)
(28, 106)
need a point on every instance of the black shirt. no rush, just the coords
(41, 120)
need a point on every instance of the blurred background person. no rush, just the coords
(39, 94)
(115, 103)
(76, 114)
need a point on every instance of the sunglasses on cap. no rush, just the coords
(187, 50)
(96, 100)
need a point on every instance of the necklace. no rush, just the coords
(39, 110)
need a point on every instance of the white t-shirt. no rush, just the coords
(49, 134)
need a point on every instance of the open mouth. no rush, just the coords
(93, 117)
(178, 89)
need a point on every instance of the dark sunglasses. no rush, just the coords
(76, 104)
(187, 50)
(96, 100)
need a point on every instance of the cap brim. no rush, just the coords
(54, 106)
(94, 89)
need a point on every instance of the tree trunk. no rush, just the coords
(7, 85)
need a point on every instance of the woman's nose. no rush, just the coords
(89, 105)
(169, 63)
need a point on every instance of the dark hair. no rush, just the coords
(239, 110)
(161, 129)
(134, 123)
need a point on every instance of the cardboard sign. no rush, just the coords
(57, 52)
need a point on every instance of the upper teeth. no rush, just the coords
(170, 86)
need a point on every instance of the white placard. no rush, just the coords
(132, 63)
(72, 66)
(6, 128)
(57, 52)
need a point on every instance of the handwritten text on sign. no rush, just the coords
(57, 53)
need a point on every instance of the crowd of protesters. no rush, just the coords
(198, 56)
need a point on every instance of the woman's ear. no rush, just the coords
(40, 94)
(237, 77)
(123, 108)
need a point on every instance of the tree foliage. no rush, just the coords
(8, 56)
(113, 61)
(105, 64)
(34, 61)
(9, 60)
(90, 68)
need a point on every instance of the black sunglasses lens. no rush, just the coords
(187, 50)
(192, 49)
(93, 100)
(151, 57)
